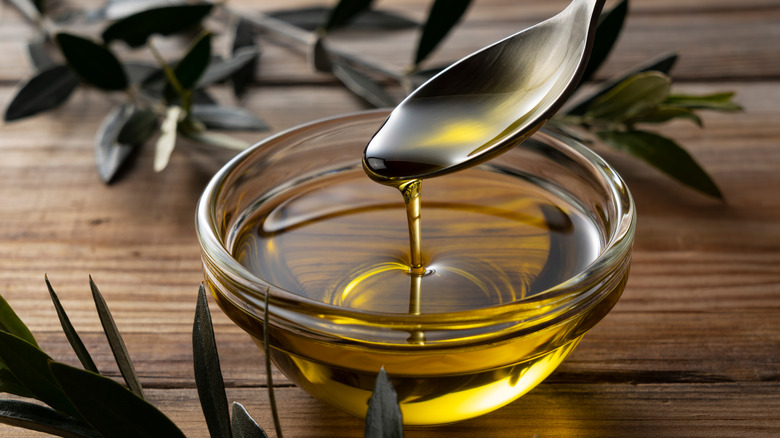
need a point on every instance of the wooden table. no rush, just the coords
(691, 349)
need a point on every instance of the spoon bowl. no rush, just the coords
(487, 102)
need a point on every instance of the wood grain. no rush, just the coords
(691, 349)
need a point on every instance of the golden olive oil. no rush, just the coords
(491, 237)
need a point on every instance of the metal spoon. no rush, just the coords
(487, 102)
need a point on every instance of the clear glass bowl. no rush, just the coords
(471, 361)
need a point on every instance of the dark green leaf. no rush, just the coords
(383, 419)
(244, 42)
(11, 385)
(40, 5)
(243, 425)
(609, 27)
(636, 95)
(31, 367)
(443, 16)
(121, 132)
(115, 341)
(716, 102)
(32, 416)
(39, 55)
(195, 62)
(311, 19)
(70, 332)
(139, 128)
(110, 408)
(663, 64)
(320, 57)
(344, 12)
(221, 70)
(208, 375)
(362, 86)
(665, 155)
(243, 35)
(136, 29)
(228, 118)
(664, 113)
(11, 323)
(93, 62)
(46, 90)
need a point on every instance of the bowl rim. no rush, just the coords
(563, 297)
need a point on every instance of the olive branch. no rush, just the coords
(169, 100)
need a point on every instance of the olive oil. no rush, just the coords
(491, 237)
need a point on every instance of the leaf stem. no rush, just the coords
(169, 73)
(269, 378)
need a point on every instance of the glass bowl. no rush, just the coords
(447, 363)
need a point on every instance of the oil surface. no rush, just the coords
(488, 239)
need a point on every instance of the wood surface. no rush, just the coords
(691, 349)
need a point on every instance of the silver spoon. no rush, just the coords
(487, 102)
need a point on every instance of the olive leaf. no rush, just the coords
(219, 70)
(383, 418)
(663, 154)
(607, 32)
(319, 57)
(243, 425)
(136, 29)
(662, 64)
(228, 118)
(11, 323)
(716, 101)
(244, 42)
(208, 374)
(70, 332)
(663, 113)
(44, 91)
(443, 16)
(167, 140)
(93, 62)
(123, 129)
(344, 12)
(43, 419)
(139, 128)
(195, 62)
(115, 341)
(634, 96)
(312, 18)
(30, 366)
(362, 85)
(39, 55)
(109, 407)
